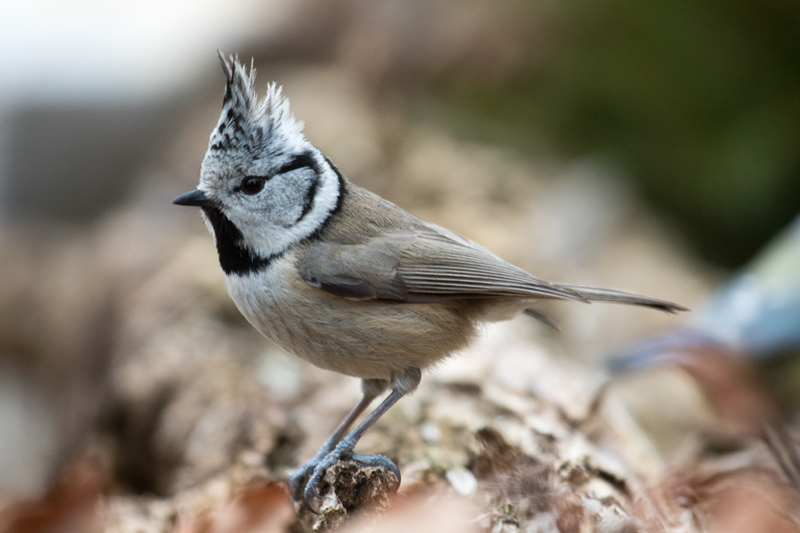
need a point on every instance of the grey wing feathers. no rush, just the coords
(355, 271)
(426, 266)
(595, 294)
(435, 231)
(433, 266)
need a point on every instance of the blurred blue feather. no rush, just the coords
(756, 314)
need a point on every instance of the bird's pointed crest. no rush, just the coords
(247, 123)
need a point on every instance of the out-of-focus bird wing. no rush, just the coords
(756, 314)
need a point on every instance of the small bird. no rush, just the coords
(341, 277)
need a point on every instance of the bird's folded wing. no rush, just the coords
(425, 266)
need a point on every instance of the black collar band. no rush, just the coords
(234, 257)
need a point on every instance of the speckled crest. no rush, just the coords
(260, 128)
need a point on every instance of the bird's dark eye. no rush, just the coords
(252, 185)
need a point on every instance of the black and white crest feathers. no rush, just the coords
(249, 124)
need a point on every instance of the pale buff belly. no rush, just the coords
(366, 339)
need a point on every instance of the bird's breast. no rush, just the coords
(367, 339)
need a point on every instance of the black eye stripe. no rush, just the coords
(304, 160)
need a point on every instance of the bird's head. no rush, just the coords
(263, 186)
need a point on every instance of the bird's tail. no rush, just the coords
(595, 294)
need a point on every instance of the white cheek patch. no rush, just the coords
(325, 200)
(287, 196)
(266, 236)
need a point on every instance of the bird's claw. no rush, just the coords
(310, 497)
(297, 481)
(343, 452)
(377, 461)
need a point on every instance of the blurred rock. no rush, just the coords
(350, 488)
(257, 509)
(31, 442)
(421, 515)
(74, 504)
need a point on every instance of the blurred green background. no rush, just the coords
(699, 102)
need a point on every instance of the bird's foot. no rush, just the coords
(342, 452)
(297, 481)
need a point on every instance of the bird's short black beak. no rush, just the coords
(195, 198)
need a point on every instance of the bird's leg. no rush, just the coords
(371, 389)
(401, 384)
